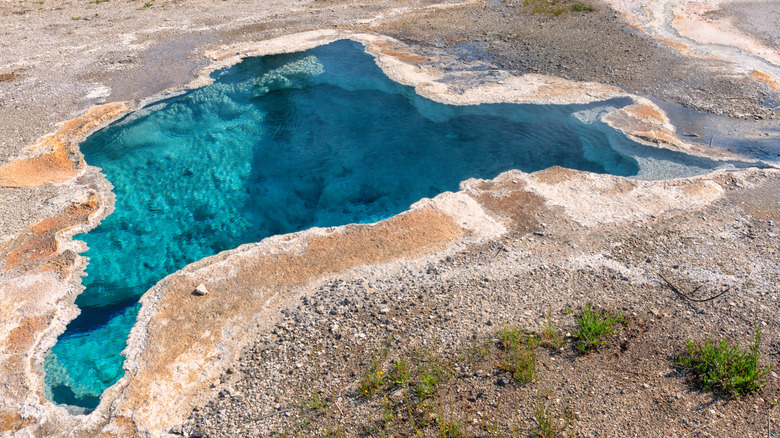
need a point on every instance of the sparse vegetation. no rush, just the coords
(449, 428)
(372, 379)
(431, 373)
(553, 7)
(582, 7)
(314, 403)
(548, 425)
(726, 367)
(401, 372)
(551, 337)
(518, 353)
(592, 326)
(412, 392)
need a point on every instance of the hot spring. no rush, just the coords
(282, 143)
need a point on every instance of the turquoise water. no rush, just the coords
(279, 144)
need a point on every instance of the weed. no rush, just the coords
(428, 386)
(547, 424)
(566, 311)
(388, 417)
(582, 7)
(551, 337)
(519, 353)
(480, 348)
(332, 433)
(95, 2)
(75, 18)
(314, 403)
(726, 367)
(591, 327)
(430, 374)
(492, 429)
(148, 4)
(449, 429)
(401, 372)
(372, 379)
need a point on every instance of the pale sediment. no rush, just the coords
(182, 342)
(705, 29)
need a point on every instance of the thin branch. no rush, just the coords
(678, 292)
(263, 417)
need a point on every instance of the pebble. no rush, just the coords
(200, 290)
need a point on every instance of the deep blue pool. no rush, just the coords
(280, 144)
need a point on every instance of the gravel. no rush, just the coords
(587, 46)
(325, 342)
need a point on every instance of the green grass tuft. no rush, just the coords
(592, 326)
(726, 367)
(582, 7)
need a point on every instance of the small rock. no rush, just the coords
(200, 290)
(502, 381)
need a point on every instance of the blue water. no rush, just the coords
(280, 144)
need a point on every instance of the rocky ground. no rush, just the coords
(596, 45)
(303, 377)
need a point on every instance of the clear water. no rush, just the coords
(280, 144)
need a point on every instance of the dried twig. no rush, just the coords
(263, 417)
(678, 292)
